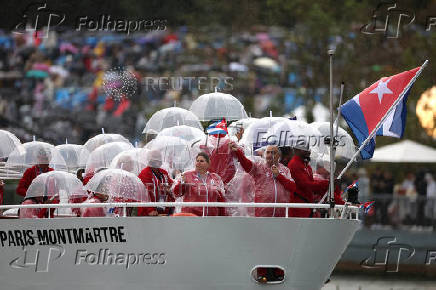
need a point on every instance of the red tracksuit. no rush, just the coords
(267, 188)
(195, 190)
(29, 175)
(93, 211)
(221, 158)
(306, 186)
(154, 184)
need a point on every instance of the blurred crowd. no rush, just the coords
(53, 87)
(407, 201)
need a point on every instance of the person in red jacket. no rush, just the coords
(306, 185)
(221, 158)
(158, 184)
(273, 182)
(31, 173)
(95, 197)
(200, 185)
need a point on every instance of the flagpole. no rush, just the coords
(374, 131)
(331, 52)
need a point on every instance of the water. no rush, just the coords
(376, 283)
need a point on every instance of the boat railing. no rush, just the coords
(346, 211)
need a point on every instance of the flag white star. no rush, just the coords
(382, 89)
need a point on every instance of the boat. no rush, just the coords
(156, 253)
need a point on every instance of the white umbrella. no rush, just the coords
(119, 185)
(345, 148)
(176, 153)
(96, 141)
(266, 62)
(171, 117)
(189, 134)
(216, 106)
(405, 151)
(34, 153)
(71, 154)
(133, 160)
(9, 142)
(103, 155)
(288, 132)
(256, 134)
(56, 184)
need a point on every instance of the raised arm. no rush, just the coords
(246, 163)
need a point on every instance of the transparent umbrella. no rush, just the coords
(189, 134)
(176, 153)
(242, 123)
(288, 132)
(103, 155)
(119, 185)
(71, 154)
(133, 160)
(57, 187)
(34, 153)
(95, 142)
(56, 184)
(217, 105)
(256, 134)
(345, 148)
(171, 117)
(9, 142)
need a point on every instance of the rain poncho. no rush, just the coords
(196, 190)
(306, 186)
(156, 180)
(221, 158)
(93, 211)
(29, 175)
(32, 212)
(240, 189)
(268, 189)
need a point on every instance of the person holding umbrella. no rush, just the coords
(273, 182)
(43, 159)
(158, 184)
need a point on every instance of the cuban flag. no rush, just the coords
(368, 207)
(366, 110)
(218, 128)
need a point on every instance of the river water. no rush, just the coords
(376, 283)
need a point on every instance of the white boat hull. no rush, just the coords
(160, 253)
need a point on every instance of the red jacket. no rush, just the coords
(267, 188)
(306, 186)
(155, 189)
(35, 212)
(221, 158)
(195, 190)
(87, 178)
(93, 211)
(29, 175)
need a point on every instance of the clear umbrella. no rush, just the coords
(288, 132)
(56, 184)
(103, 156)
(57, 187)
(71, 154)
(176, 153)
(101, 139)
(9, 142)
(345, 148)
(242, 123)
(34, 153)
(256, 134)
(171, 117)
(133, 160)
(189, 134)
(216, 106)
(119, 185)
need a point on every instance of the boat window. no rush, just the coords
(268, 274)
